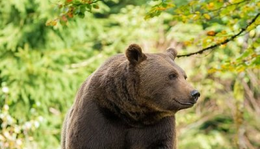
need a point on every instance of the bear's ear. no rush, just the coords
(172, 53)
(134, 54)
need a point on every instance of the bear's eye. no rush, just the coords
(172, 76)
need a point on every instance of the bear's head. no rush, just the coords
(143, 88)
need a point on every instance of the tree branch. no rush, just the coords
(224, 42)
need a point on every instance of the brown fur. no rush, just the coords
(129, 102)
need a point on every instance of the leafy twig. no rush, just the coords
(210, 11)
(224, 42)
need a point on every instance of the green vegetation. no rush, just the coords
(41, 67)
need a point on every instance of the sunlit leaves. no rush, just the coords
(211, 33)
(157, 9)
(14, 133)
(207, 16)
(221, 20)
(71, 8)
(248, 59)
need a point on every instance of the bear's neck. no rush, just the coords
(139, 118)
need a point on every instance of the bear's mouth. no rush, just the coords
(187, 103)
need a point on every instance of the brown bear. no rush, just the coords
(129, 103)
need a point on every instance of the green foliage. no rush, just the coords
(71, 8)
(220, 25)
(157, 9)
(42, 67)
(38, 67)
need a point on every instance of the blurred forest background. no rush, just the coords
(49, 47)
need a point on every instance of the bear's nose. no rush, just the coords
(195, 95)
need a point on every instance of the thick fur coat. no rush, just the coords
(129, 103)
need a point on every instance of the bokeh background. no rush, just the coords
(41, 68)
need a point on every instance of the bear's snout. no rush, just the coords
(195, 95)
